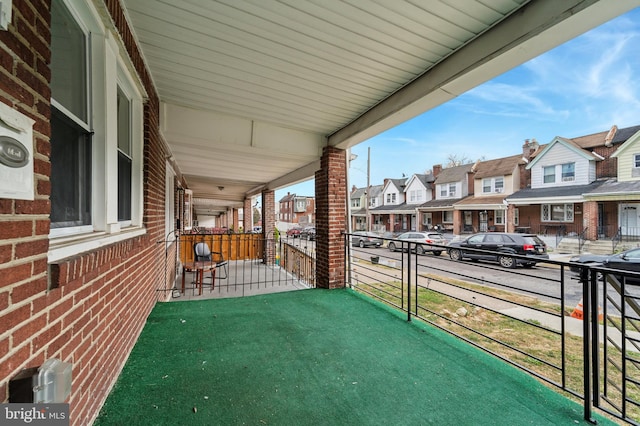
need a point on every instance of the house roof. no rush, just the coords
(481, 201)
(498, 167)
(287, 197)
(398, 183)
(375, 190)
(358, 193)
(404, 207)
(425, 179)
(631, 141)
(567, 143)
(453, 174)
(439, 204)
(612, 186)
(555, 191)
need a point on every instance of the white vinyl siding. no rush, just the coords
(584, 171)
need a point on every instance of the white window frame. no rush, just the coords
(570, 177)
(445, 218)
(498, 217)
(516, 216)
(547, 212)
(636, 161)
(490, 185)
(108, 68)
(552, 175)
(452, 189)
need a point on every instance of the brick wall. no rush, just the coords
(100, 299)
(331, 210)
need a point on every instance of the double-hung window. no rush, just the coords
(549, 174)
(96, 132)
(71, 136)
(124, 157)
(569, 172)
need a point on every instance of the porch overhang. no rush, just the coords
(252, 92)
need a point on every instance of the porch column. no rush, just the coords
(392, 222)
(236, 221)
(511, 211)
(331, 211)
(457, 222)
(269, 226)
(247, 215)
(590, 220)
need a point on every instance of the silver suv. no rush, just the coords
(423, 242)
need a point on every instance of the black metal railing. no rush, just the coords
(245, 263)
(549, 320)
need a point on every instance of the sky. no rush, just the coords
(582, 87)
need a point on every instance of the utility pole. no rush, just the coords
(367, 218)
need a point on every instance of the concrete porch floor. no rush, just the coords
(243, 278)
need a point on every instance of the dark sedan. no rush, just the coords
(628, 260)
(500, 247)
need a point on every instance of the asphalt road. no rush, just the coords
(543, 281)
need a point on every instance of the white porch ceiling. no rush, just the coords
(252, 90)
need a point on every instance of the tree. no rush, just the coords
(454, 160)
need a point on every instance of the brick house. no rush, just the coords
(297, 210)
(87, 229)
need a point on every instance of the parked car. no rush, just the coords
(365, 239)
(423, 242)
(502, 245)
(308, 233)
(628, 260)
(294, 232)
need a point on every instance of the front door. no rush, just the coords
(629, 219)
(483, 221)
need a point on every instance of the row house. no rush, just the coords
(451, 185)
(485, 209)
(359, 209)
(587, 186)
(297, 209)
(582, 187)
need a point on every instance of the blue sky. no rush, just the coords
(581, 87)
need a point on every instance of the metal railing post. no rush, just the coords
(409, 282)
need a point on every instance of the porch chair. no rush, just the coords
(202, 253)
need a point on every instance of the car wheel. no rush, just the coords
(455, 254)
(392, 247)
(361, 244)
(437, 252)
(507, 261)
(419, 250)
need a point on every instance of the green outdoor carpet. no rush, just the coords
(317, 357)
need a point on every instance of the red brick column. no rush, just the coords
(247, 215)
(589, 219)
(269, 226)
(457, 222)
(511, 226)
(331, 211)
(236, 221)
